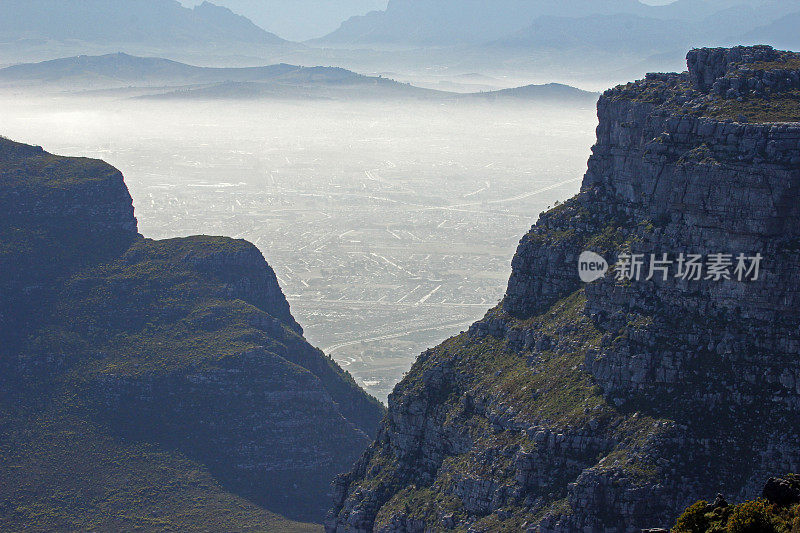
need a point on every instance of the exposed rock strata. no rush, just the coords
(613, 406)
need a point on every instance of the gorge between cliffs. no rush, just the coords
(165, 385)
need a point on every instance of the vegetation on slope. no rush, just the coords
(153, 385)
(778, 511)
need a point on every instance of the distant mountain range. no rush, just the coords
(606, 25)
(151, 22)
(598, 42)
(163, 78)
(438, 22)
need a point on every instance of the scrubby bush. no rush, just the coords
(752, 517)
(693, 520)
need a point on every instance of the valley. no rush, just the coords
(390, 225)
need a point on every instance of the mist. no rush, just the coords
(391, 225)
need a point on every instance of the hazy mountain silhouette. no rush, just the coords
(784, 32)
(642, 34)
(163, 78)
(299, 20)
(154, 22)
(425, 22)
(549, 92)
(123, 70)
(605, 25)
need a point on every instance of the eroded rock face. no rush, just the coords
(612, 406)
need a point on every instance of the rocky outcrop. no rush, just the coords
(187, 346)
(57, 214)
(612, 406)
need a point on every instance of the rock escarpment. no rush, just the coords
(612, 406)
(174, 359)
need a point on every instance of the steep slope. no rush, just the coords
(612, 406)
(152, 22)
(134, 372)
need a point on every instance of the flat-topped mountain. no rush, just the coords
(548, 92)
(153, 384)
(614, 405)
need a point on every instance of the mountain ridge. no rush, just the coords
(130, 21)
(153, 358)
(564, 38)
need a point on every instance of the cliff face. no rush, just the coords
(56, 214)
(613, 405)
(175, 358)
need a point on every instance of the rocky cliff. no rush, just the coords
(153, 384)
(613, 405)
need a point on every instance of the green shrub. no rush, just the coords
(752, 517)
(693, 520)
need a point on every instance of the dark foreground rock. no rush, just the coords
(153, 384)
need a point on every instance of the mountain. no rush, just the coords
(300, 20)
(615, 23)
(123, 70)
(324, 83)
(781, 32)
(147, 22)
(602, 32)
(441, 22)
(548, 92)
(614, 404)
(153, 384)
(171, 79)
(580, 42)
